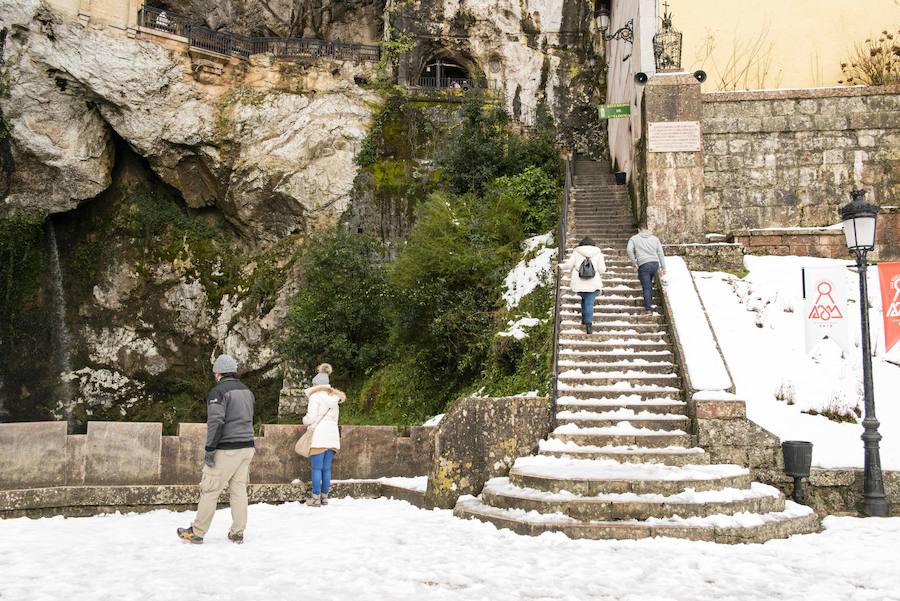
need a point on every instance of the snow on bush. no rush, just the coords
(516, 328)
(535, 268)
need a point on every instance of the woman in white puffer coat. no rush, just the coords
(323, 413)
(587, 288)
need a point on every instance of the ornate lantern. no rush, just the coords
(667, 44)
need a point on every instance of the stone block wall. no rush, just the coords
(715, 256)
(41, 455)
(814, 242)
(789, 158)
(480, 438)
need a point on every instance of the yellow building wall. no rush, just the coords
(757, 44)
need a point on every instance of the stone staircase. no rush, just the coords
(622, 463)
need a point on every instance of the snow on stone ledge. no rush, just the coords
(703, 362)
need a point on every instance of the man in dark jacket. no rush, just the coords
(229, 450)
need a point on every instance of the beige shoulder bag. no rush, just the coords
(304, 445)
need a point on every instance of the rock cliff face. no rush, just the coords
(272, 148)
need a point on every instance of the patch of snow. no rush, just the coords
(528, 274)
(434, 421)
(703, 362)
(390, 550)
(416, 483)
(557, 445)
(516, 328)
(767, 361)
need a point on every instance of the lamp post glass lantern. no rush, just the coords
(859, 220)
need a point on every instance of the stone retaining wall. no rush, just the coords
(715, 256)
(479, 439)
(41, 454)
(790, 157)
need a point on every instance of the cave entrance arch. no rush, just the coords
(446, 72)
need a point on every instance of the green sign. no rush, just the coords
(614, 111)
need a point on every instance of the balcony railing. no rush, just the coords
(460, 83)
(232, 44)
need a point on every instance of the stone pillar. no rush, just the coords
(84, 12)
(673, 188)
(134, 6)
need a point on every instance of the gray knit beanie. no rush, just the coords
(321, 378)
(225, 364)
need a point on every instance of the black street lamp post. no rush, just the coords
(859, 219)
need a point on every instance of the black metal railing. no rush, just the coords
(457, 83)
(557, 307)
(232, 44)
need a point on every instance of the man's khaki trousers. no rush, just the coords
(232, 471)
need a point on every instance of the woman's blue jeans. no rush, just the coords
(321, 471)
(587, 305)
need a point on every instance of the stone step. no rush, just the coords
(609, 300)
(649, 439)
(759, 498)
(605, 307)
(637, 315)
(614, 355)
(597, 378)
(634, 326)
(598, 365)
(578, 333)
(795, 519)
(625, 453)
(583, 391)
(593, 477)
(683, 423)
(582, 345)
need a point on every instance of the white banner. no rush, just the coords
(825, 306)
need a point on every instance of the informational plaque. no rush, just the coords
(674, 136)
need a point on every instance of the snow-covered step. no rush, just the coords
(625, 453)
(621, 435)
(642, 419)
(631, 402)
(612, 308)
(604, 334)
(597, 364)
(583, 343)
(643, 320)
(571, 322)
(608, 300)
(579, 354)
(612, 378)
(596, 476)
(759, 498)
(738, 528)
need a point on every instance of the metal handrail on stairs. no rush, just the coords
(560, 257)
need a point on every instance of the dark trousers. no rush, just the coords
(646, 273)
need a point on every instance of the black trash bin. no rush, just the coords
(797, 463)
(621, 178)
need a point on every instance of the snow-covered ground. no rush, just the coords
(759, 323)
(388, 550)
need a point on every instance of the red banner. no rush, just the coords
(889, 274)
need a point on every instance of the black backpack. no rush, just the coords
(586, 270)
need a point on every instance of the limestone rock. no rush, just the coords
(272, 148)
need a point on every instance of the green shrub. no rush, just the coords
(533, 195)
(338, 314)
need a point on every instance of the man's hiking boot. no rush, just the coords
(237, 539)
(187, 535)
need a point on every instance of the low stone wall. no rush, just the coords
(77, 501)
(715, 256)
(722, 429)
(836, 491)
(41, 454)
(479, 439)
(803, 242)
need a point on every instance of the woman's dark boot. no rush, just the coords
(589, 327)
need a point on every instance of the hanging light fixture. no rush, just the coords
(667, 44)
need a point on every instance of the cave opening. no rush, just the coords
(444, 72)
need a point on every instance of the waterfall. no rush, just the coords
(61, 329)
